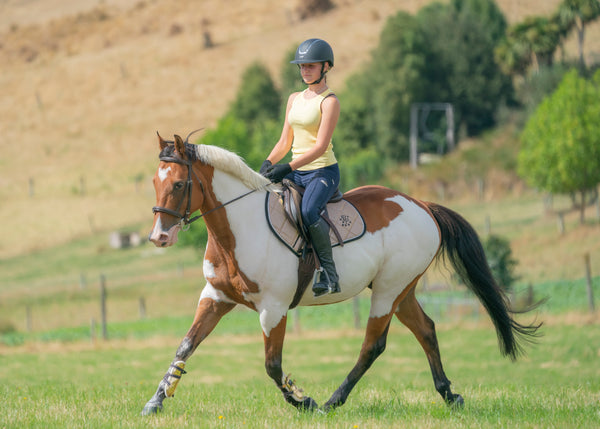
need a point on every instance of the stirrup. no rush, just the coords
(322, 288)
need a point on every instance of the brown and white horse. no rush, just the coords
(245, 264)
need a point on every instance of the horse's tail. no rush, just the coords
(462, 246)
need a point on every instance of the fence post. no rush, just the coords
(103, 305)
(297, 320)
(480, 188)
(93, 330)
(588, 277)
(560, 217)
(29, 322)
(142, 307)
(356, 312)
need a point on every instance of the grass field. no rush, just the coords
(106, 385)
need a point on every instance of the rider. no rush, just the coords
(311, 117)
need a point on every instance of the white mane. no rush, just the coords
(233, 164)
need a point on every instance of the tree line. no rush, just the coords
(461, 52)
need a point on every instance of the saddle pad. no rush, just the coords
(343, 214)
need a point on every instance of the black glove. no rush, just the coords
(265, 166)
(277, 172)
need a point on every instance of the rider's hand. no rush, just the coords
(277, 172)
(265, 166)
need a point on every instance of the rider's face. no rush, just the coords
(311, 71)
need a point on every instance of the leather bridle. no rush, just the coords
(184, 218)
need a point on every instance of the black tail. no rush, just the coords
(462, 246)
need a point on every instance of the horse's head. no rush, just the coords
(173, 183)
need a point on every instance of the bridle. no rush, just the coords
(184, 219)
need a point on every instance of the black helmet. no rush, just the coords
(314, 51)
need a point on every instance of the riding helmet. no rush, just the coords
(313, 51)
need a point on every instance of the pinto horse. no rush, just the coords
(245, 264)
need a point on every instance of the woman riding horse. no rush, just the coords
(310, 119)
(403, 236)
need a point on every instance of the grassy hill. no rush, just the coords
(85, 85)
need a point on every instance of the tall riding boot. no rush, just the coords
(328, 279)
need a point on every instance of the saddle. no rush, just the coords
(284, 218)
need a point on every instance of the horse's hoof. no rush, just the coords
(151, 408)
(309, 404)
(458, 402)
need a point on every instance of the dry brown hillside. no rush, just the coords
(84, 85)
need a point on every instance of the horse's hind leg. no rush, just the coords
(410, 313)
(208, 314)
(373, 345)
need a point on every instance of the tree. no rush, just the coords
(576, 14)
(461, 69)
(257, 99)
(501, 261)
(530, 42)
(561, 141)
(512, 55)
(393, 80)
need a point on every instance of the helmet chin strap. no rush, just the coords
(323, 73)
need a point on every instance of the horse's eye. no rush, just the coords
(178, 186)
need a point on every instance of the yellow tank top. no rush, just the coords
(304, 118)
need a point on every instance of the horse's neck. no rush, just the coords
(242, 213)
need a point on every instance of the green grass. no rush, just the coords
(55, 376)
(557, 385)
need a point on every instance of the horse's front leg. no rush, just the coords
(208, 314)
(273, 359)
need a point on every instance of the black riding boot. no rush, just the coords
(327, 279)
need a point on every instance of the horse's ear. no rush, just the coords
(180, 147)
(161, 142)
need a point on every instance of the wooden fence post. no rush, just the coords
(560, 217)
(297, 327)
(356, 313)
(588, 277)
(103, 305)
(93, 330)
(29, 322)
(480, 188)
(142, 307)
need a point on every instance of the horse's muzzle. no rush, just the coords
(162, 238)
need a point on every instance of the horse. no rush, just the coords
(403, 237)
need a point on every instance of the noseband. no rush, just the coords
(185, 219)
